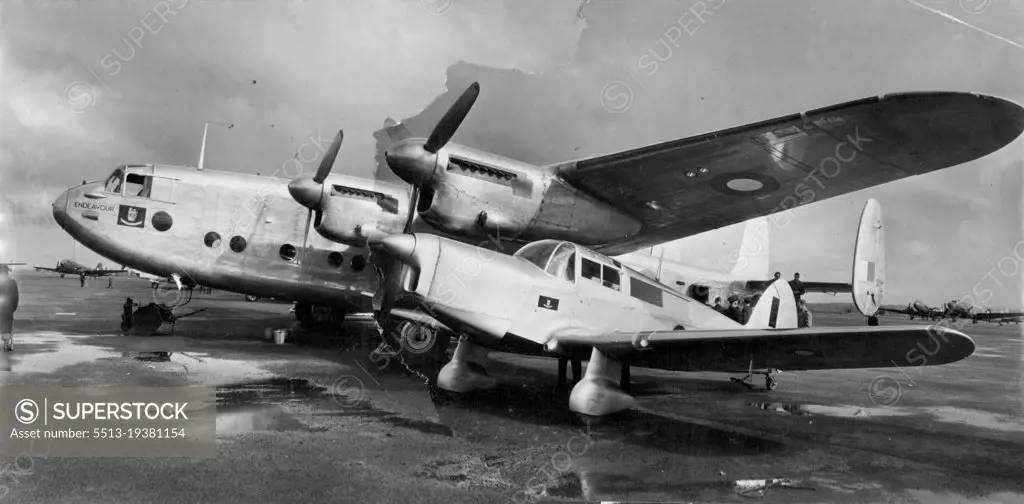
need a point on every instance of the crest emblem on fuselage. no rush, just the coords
(131, 216)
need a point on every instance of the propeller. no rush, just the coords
(414, 161)
(309, 191)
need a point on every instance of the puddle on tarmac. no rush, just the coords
(252, 407)
(944, 414)
(366, 410)
(925, 496)
(46, 352)
(148, 356)
(598, 486)
(259, 405)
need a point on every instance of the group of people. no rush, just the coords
(739, 309)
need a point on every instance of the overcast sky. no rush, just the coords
(80, 96)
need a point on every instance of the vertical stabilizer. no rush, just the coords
(869, 260)
(752, 257)
(776, 309)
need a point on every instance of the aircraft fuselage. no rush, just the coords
(229, 231)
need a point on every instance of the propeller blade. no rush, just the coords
(305, 237)
(328, 161)
(413, 203)
(452, 119)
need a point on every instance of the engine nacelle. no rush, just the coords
(353, 220)
(467, 198)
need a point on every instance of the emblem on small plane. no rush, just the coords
(131, 216)
(548, 303)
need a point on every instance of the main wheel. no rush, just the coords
(421, 346)
(251, 298)
(770, 383)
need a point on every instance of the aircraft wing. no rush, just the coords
(824, 287)
(685, 187)
(904, 311)
(100, 272)
(996, 316)
(42, 268)
(784, 349)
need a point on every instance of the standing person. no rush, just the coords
(778, 275)
(734, 311)
(8, 304)
(748, 308)
(81, 278)
(803, 315)
(797, 286)
(110, 282)
(719, 306)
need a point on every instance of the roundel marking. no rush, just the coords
(744, 184)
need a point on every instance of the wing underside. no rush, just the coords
(688, 186)
(786, 350)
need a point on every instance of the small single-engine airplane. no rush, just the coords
(557, 298)
(69, 267)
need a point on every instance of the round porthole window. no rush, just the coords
(237, 244)
(335, 259)
(162, 221)
(212, 240)
(358, 263)
(287, 252)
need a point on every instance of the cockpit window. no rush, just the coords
(563, 262)
(136, 185)
(538, 253)
(113, 184)
(592, 270)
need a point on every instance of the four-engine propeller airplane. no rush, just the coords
(251, 234)
(557, 298)
(69, 267)
(953, 310)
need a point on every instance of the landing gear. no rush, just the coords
(873, 320)
(251, 298)
(466, 372)
(748, 380)
(421, 345)
(598, 393)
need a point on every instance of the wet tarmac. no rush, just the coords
(319, 424)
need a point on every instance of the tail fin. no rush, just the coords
(396, 130)
(776, 309)
(869, 260)
(752, 260)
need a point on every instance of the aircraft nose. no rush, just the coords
(60, 209)
(402, 246)
(411, 162)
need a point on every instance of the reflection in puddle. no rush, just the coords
(945, 414)
(256, 418)
(252, 406)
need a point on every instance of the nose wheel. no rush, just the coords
(770, 383)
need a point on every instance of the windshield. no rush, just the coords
(538, 252)
(563, 262)
(113, 183)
